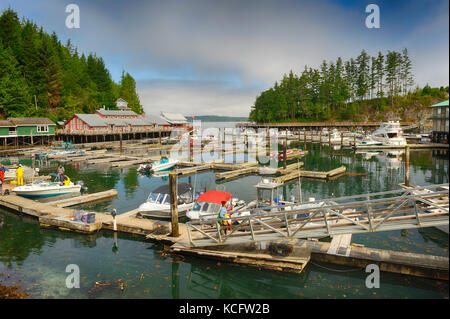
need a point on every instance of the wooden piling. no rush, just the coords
(174, 204)
(120, 135)
(407, 167)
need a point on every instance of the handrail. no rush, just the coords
(409, 209)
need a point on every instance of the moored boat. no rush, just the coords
(46, 189)
(158, 202)
(208, 204)
(162, 165)
(389, 134)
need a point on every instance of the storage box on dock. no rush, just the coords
(91, 218)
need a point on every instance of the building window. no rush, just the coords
(42, 129)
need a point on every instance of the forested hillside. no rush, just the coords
(361, 89)
(39, 76)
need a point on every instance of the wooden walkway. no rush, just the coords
(400, 209)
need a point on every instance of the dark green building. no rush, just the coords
(26, 131)
(440, 122)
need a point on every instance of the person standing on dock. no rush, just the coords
(223, 216)
(3, 169)
(19, 173)
(60, 173)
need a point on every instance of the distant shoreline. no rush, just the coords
(217, 118)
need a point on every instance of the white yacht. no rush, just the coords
(389, 133)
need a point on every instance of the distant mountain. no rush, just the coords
(216, 118)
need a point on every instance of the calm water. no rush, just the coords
(36, 258)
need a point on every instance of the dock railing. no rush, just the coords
(392, 210)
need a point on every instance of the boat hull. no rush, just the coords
(54, 191)
(162, 211)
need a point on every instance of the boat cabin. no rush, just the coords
(211, 201)
(267, 193)
(161, 195)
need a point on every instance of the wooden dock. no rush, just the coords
(83, 199)
(292, 256)
(311, 174)
(411, 146)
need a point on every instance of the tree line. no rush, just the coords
(336, 88)
(39, 76)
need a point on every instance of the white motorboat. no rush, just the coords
(268, 199)
(46, 189)
(389, 133)
(369, 141)
(162, 165)
(158, 202)
(208, 204)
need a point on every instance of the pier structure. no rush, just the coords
(316, 126)
(275, 244)
(400, 209)
(111, 135)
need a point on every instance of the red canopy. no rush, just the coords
(214, 197)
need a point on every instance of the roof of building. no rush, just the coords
(25, 121)
(92, 120)
(95, 120)
(155, 119)
(116, 112)
(443, 103)
(126, 122)
(6, 123)
(174, 118)
(121, 100)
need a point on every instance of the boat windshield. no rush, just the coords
(392, 135)
(160, 199)
(206, 207)
(167, 200)
(153, 197)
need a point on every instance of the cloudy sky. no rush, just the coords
(215, 56)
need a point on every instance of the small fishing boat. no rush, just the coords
(208, 204)
(158, 202)
(163, 165)
(46, 189)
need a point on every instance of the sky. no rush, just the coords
(211, 57)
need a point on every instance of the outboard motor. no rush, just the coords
(83, 187)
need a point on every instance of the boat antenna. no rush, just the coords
(195, 183)
(299, 183)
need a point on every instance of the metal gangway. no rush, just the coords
(412, 207)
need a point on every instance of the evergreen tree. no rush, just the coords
(127, 91)
(14, 96)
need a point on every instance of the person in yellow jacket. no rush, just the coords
(66, 180)
(19, 173)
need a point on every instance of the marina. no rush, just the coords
(345, 248)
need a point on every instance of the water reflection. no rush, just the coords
(38, 255)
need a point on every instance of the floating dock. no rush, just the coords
(266, 251)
